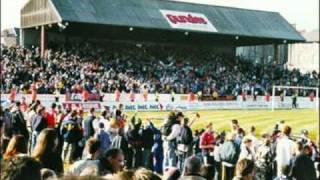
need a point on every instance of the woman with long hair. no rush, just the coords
(17, 146)
(45, 151)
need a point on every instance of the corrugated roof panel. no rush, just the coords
(146, 13)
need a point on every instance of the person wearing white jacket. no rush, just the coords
(284, 149)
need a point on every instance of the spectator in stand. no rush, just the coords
(302, 167)
(38, 123)
(207, 144)
(16, 147)
(192, 169)
(18, 168)
(71, 132)
(285, 148)
(45, 151)
(135, 67)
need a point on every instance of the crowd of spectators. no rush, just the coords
(57, 143)
(134, 67)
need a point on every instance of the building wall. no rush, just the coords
(304, 56)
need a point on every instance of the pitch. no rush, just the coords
(263, 120)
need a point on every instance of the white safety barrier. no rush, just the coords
(47, 100)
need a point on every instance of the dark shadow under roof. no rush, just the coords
(146, 14)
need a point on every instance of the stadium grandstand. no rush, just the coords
(155, 89)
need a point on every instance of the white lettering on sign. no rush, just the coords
(188, 20)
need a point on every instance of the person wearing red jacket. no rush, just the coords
(132, 96)
(13, 94)
(267, 96)
(51, 116)
(117, 95)
(34, 92)
(207, 144)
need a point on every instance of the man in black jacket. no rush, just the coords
(302, 167)
(71, 132)
(148, 141)
(38, 123)
(135, 143)
(19, 125)
(88, 130)
(184, 142)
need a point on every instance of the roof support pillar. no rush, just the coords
(43, 41)
(276, 53)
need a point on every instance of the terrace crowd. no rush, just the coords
(135, 67)
(57, 143)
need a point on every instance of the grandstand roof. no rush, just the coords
(153, 14)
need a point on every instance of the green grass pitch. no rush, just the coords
(263, 120)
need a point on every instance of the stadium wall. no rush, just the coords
(166, 104)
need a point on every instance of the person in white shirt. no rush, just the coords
(247, 151)
(284, 149)
(255, 143)
(102, 119)
(89, 162)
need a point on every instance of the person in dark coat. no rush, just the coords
(302, 167)
(88, 130)
(148, 141)
(19, 125)
(71, 132)
(38, 123)
(135, 142)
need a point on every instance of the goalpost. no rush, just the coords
(316, 95)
